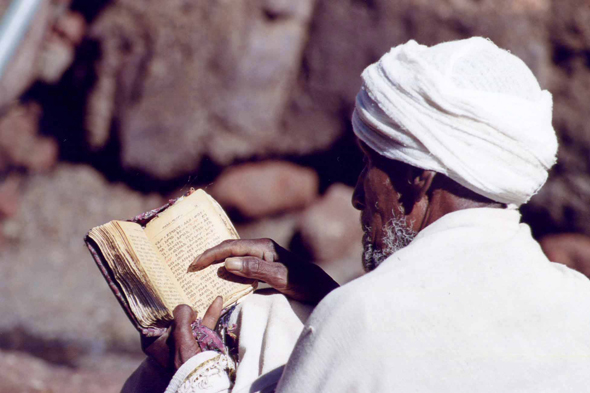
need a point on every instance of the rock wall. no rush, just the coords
(243, 97)
(22, 373)
(196, 79)
(562, 205)
(55, 302)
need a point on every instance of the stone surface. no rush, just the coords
(71, 26)
(330, 231)
(58, 51)
(571, 249)
(261, 189)
(53, 299)
(234, 80)
(20, 144)
(56, 57)
(562, 205)
(331, 224)
(195, 77)
(9, 196)
(22, 373)
(279, 228)
(345, 37)
(347, 267)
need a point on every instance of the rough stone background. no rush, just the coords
(197, 78)
(51, 291)
(112, 106)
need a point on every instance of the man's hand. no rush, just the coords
(265, 260)
(184, 343)
(178, 345)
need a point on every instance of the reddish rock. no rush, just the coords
(22, 373)
(196, 78)
(261, 189)
(9, 196)
(331, 225)
(562, 204)
(71, 26)
(58, 51)
(279, 228)
(20, 144)
(571, 249)
(44, 265)
(56, 57)
(347, 267)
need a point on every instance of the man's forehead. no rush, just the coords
(394, 167)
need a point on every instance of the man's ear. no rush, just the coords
(421, 183)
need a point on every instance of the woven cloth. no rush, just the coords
(466, 109)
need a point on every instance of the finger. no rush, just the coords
(146, 342)
(274, 274)
(185, 345)
(260, 248)
(213, 313)
(184, 315)
(158, 349)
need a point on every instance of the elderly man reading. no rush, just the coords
(458, 296)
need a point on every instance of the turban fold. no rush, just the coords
(466, 109)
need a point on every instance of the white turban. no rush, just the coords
(466, 109)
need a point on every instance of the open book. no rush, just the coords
(146, 265)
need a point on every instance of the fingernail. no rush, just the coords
(234, 264)
(193, 266)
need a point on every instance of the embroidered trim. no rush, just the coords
(200, 377)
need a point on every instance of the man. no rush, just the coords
(459, 297)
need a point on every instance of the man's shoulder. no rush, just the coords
(351, 301)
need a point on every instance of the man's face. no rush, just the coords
(378, 195)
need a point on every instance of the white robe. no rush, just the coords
(471, 305)
(268, 327)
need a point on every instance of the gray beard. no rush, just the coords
(397, 236)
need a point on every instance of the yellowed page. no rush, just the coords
(181, 233)
(158, 272)
(147, 306)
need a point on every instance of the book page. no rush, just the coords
(158, 272)
(145, 303)
(181, 233)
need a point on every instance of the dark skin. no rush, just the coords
(388, 189)
(384, 189)
(265, 260)
(178, 345)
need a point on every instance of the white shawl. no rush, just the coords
(471, 305)
(268, 327)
